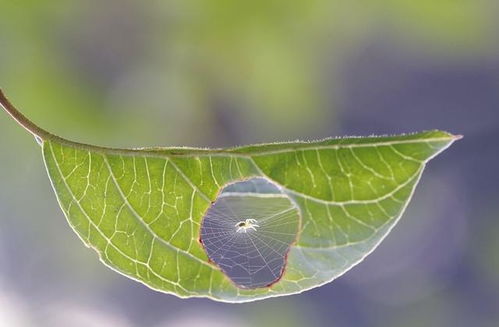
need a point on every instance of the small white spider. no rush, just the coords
(244, 225)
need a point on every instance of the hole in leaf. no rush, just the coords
(248, 230)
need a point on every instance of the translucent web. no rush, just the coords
(248, 230)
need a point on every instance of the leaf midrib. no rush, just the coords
(233, 152)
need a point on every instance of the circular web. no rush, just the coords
(248, 230)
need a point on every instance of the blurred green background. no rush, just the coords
(223, 73)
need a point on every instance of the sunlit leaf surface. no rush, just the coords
(239, 224)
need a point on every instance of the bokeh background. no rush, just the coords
(223, 73)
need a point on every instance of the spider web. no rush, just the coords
(254, 258)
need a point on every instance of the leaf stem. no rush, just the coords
(41, 134)
(23, 120)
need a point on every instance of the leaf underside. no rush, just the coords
(142, 210)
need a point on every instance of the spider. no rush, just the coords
(243, 226)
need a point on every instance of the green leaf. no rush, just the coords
(165, 216)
